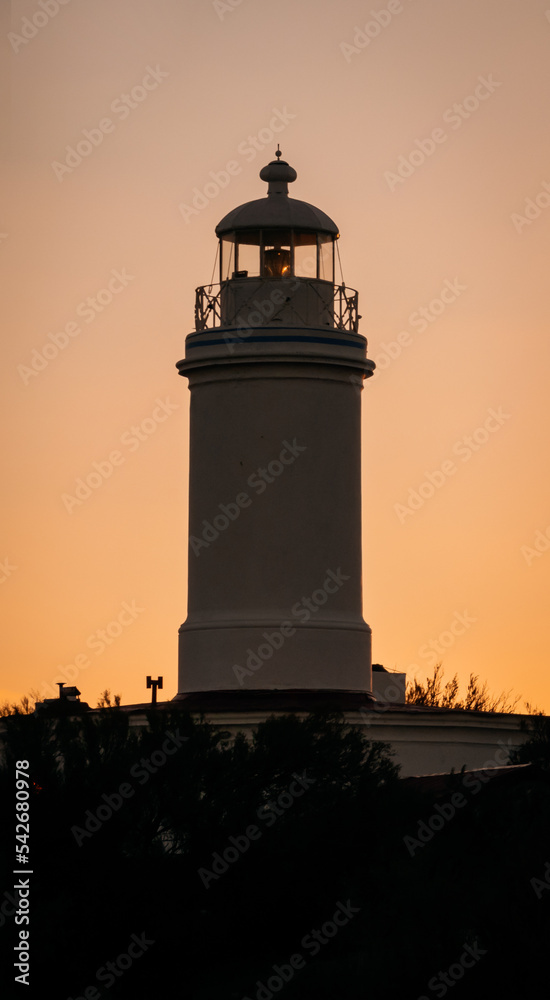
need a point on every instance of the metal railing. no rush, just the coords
(335, 305)
(207, 307)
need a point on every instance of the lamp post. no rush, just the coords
(154, 684)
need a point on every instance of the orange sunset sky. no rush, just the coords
(421, 127)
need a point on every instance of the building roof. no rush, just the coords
(441, 784)
(277, 211)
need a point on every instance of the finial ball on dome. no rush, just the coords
(278, 170)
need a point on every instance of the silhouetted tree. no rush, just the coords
(230, 853)
(477, 698)
(104, 700)
(24, 706)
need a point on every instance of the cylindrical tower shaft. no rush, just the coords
(275, 468)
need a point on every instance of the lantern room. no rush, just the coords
(278, 252)
(277, 237)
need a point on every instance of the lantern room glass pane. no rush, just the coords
(305, 255)
(227, 261)
(277, 254)
(248, 255)
(326, 257)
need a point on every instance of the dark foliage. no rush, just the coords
(536, 748)
(331, 817)
(476, 699)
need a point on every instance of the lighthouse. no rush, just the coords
(275, 367)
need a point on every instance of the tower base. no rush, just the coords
(272, 655)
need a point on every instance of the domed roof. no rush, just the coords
(277, 211)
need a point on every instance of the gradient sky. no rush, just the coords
(352, 103)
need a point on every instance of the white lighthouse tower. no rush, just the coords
(275, 368)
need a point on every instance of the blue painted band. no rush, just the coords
(278, 340)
